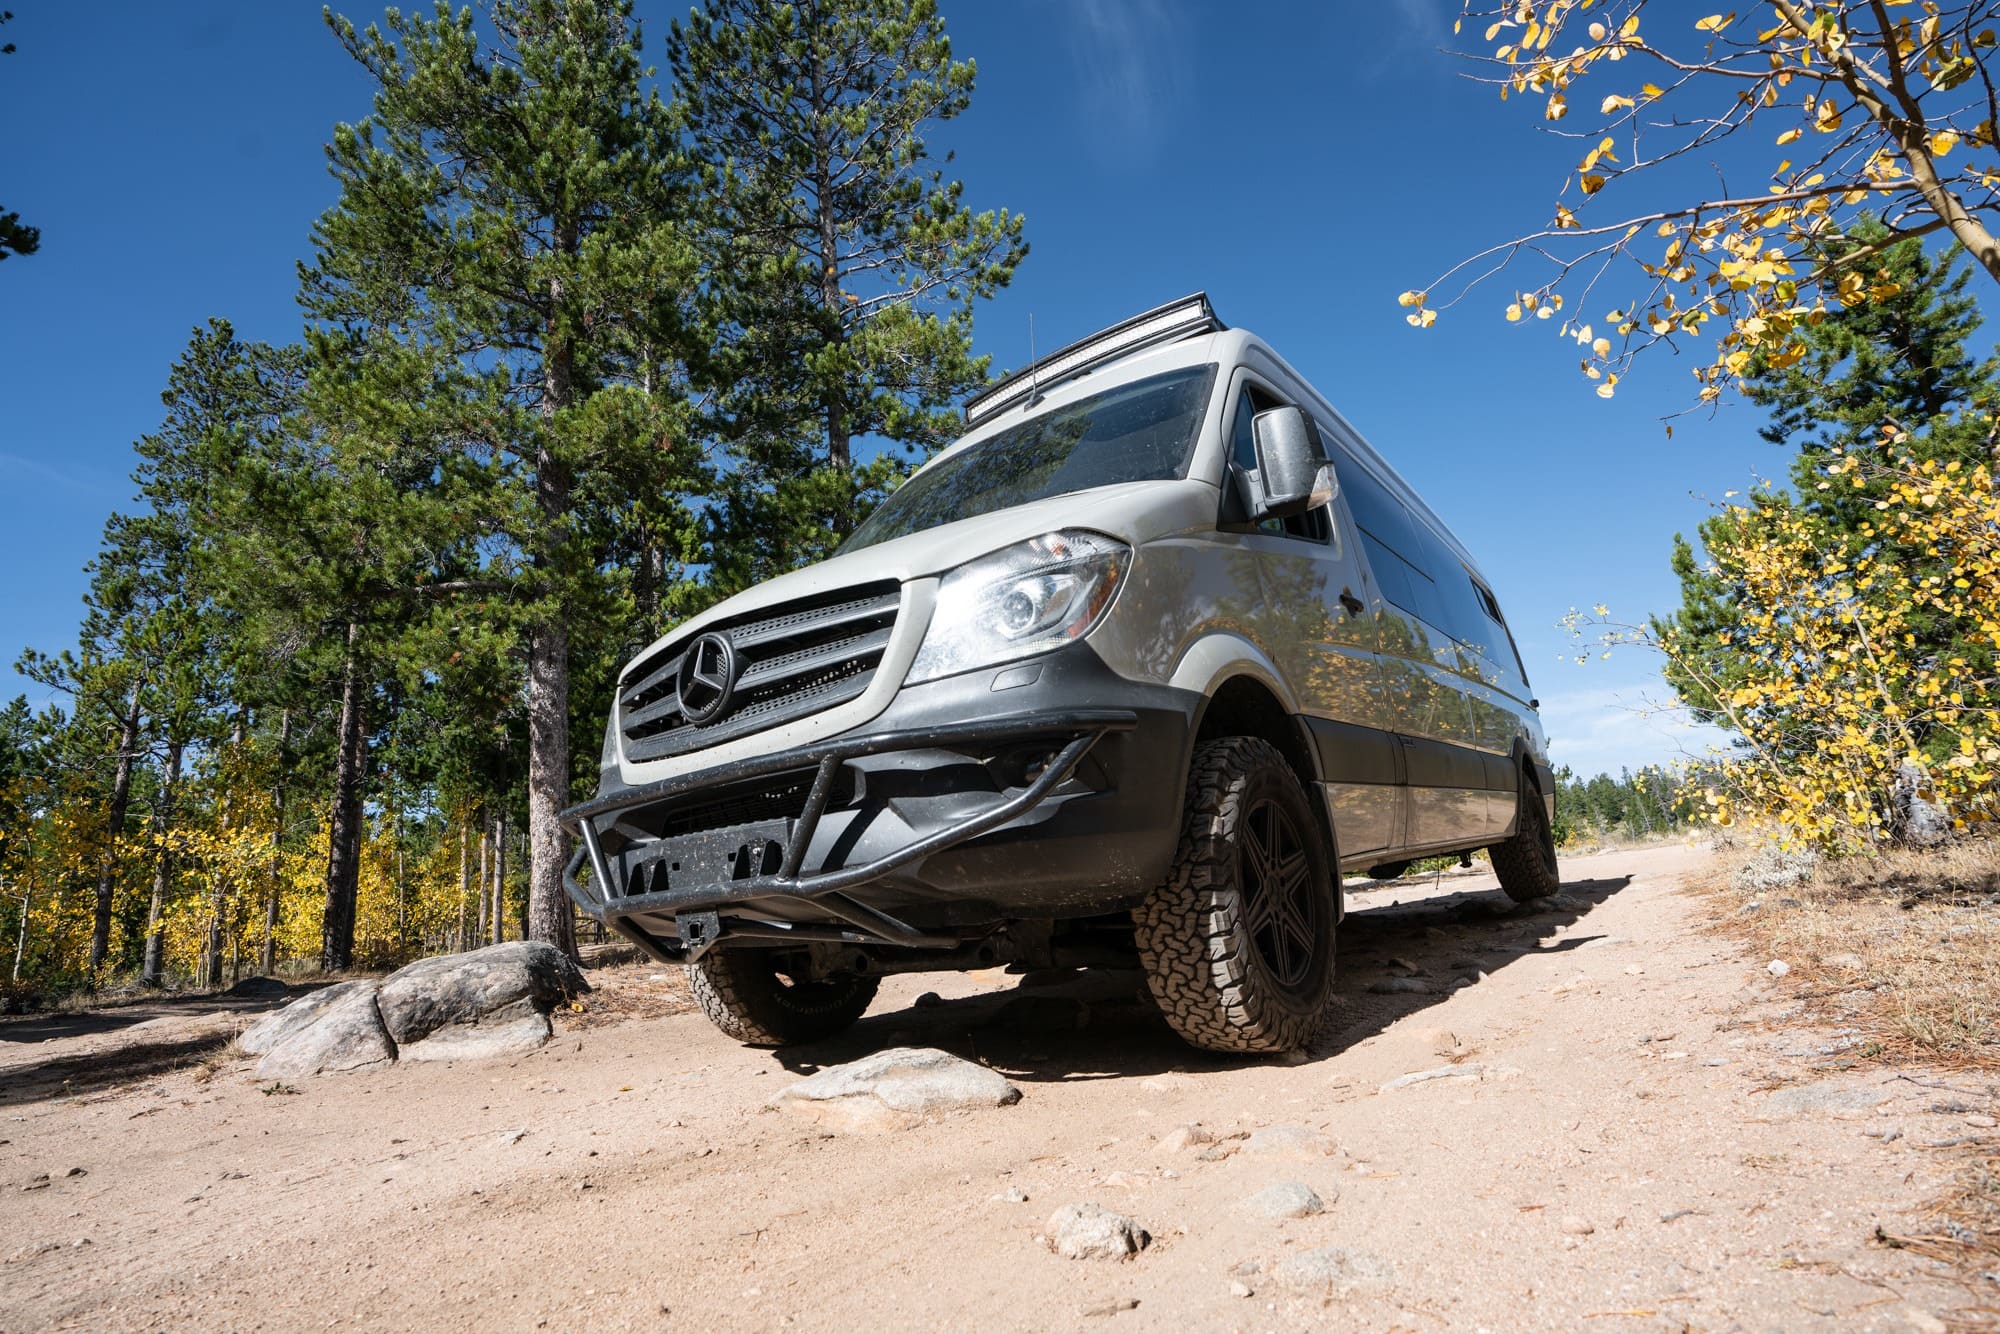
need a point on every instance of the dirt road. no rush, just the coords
(1605, 1152)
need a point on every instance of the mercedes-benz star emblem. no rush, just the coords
(707, 677)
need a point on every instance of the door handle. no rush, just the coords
(1355, 606)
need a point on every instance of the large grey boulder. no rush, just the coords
(280, 1024)
(455, 1007)
(345, 1034)
(508, 988)
(895, 1088)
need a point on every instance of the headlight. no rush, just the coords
(1027, 599)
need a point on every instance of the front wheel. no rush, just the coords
(1238, 943)
(1526, 863)
(755, 998)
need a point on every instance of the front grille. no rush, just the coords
(795, 659)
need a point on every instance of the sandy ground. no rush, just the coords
(1614, 1068)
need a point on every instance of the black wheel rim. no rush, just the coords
(1282, 903)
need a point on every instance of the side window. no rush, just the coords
(1396, 551)
(1313, 525)
(1491, 606)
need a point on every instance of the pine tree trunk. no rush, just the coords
(548, 785)
(548, 916)
(343, 861)
(269, 958)
(152, 970)
(464, 883)
(499, 918)
(121, 800)
(839, 454)
(485, 879)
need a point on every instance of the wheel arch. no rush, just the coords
(1245, 703)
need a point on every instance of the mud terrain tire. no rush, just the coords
(748, 995)
(1238, 943)
(1526, 863)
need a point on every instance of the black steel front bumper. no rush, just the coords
(748, 882)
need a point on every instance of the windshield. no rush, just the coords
(1138, 432)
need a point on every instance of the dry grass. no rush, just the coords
(1905, 946)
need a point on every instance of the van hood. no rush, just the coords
(1133, 512)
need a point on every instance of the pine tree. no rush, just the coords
(16, 237)
(511, 215)
(845, 265)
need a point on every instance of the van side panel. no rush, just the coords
(1187, 594)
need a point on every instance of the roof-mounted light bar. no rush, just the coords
(1162, 324)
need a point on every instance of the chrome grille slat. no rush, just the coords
(797, 659)
(810, 660)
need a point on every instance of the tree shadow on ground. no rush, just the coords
(1102, 1024)
(186, 1031)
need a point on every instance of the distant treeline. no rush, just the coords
(1651, 802)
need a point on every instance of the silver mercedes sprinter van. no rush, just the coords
(1138, 667)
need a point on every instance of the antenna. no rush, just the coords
(1034, 379)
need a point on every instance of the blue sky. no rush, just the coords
(1303, 163)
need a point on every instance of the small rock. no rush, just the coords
(259, 988)
(1092, 1232)
(895, 1088)
(1331, 1268)
(1111, 1307)
(1466, 1071)
(1982, 1121)
(1180, 1139)
(1238, 1288)
(1286, 1199)
(1850, 962)
(1391, 986)
(1634, 970)
(1288, 1142)
(84, 1171)
(1575, 1225)
(1777, 968)
(1121, 1181)
(40, 1181)
(1012, 1195)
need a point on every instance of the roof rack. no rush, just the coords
(1175, 320)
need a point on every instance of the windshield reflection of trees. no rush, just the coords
(1137, 433)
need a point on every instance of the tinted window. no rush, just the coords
(1138, 432)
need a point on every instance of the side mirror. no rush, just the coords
(1294, 474)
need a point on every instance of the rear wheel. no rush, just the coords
(1238, 943)
(1526, 863)
(754, 997)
